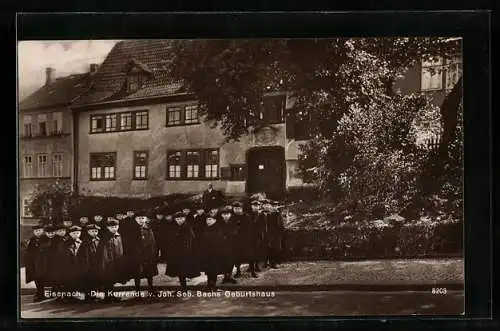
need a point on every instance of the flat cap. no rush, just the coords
(179, 214)
(111, 222)
(92, 227)
(37, 226)
(225, 209)
(59, 227)
(49, 228)
(237, 204)
(256, 203)
(74, 228)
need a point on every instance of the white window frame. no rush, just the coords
(42, 118)
(43, 168)
(453, 71)
(27, 122)
(58, 165)
(28, 167)
(427, 76)
(57, 117)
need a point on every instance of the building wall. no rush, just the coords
(157, 140)
(49, 145)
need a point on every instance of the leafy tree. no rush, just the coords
(53, 201)
(362, 130)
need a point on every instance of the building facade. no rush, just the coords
(148, 139)
(140, 134)
(45, 135)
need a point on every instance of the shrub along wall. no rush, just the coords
(352, 242)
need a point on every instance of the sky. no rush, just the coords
(65, 56)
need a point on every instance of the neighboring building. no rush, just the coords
(140, 134)
(45, 134)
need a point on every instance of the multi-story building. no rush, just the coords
(140, 134)
(45, 134)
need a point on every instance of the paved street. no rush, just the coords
(324, 303)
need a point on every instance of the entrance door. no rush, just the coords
(266, 171)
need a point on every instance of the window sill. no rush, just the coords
(61, 135)
(182, 124)
(39, 178)
(117, 131)
(142, 178)
(103, 180)
(192, 179)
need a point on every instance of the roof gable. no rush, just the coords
(63, 90)
(149, 56)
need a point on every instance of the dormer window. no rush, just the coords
(134, 82)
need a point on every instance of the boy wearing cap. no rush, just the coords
(165, 237)
(257, 235)
(90, 250)
(230, 237)
(272, 234)
(142, 260)
(112, 260)
(245, 244)
(181, 262)
(212, 251)
(49, 259)
(32, 261)
(72, 259)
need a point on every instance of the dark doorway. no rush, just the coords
(266, 171)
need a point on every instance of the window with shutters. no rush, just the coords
(123, 121)
(174, 164)
(43, 170)
(193, 164)
(212, 163)
(42, 124)
(57, 165)
(27, 126)
(238, 172)
(432, 74)
(174, 116)
(102, 166)
(140, 165)
(27, 166)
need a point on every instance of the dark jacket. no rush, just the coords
(259, 235)
(229, 242)
(92, 259)
(48, 263)
(211, 199)
(213, 254)
(166, 238)
(31, 256)
(245, 247)
(142, 257)
(73, 261)
(182, 260)
(112, 259)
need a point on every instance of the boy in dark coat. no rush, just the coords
(181, 261)
(83, 222)
(245, 249)
(100, 222)
(73, 261)
(258, 229)
(157, 219)
(90, 250)
(212, 251)
(230, 237)
(67, 222)
(32, 261)
(48, 262)
(142, 259)
(273, 233)
(111, 257)
(58, 268)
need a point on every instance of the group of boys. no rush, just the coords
(90, 256)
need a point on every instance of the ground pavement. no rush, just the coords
(379, 287)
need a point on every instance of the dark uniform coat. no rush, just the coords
(182, 259)
(32, 256)
(127, 228)
(229, 242)
(245, 248)
(166, 238)
(142, 256)
(92, 260)
(112, 259)
(211, 199)
(72, 260)
(212, 258)
(274, 232)
(258, 235)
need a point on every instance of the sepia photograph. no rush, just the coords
(240, 177)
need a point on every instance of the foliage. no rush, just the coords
(53, 201)
(362, 150)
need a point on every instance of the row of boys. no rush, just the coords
(96, 254)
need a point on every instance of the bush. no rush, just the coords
(378, 239)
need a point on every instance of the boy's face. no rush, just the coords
(67, 223)
(92, 232)
(37, 232)
(119, 216)
(61, 232)
(75, 234)
(255, 208)
(98, 218)
(50, 234)
(159, 216)
(84, 220)
(140, 220)
(180, 219)
(200, 211)
(113, 228)
(213, 212)
(130, 213)
(226, 216)
(186, 211)
(168, 217)
(238, 210)
(267, 207)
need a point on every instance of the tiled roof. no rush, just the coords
(152, 56)
(61, 91)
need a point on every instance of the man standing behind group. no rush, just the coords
(211, 198)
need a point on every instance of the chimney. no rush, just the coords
(49, 75)
(93, 68)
